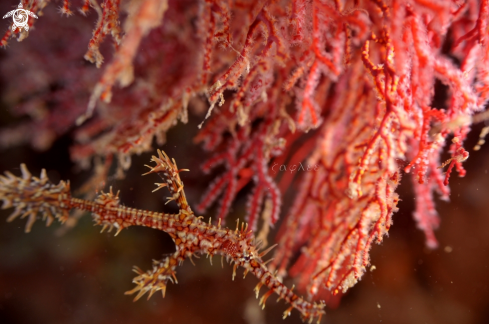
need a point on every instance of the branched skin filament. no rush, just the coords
(31, 196)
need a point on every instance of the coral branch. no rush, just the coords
(358, 91)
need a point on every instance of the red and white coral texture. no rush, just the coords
(359, 74)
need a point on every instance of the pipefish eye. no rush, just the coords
(246, 258)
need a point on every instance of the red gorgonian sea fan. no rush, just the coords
(359, 75)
